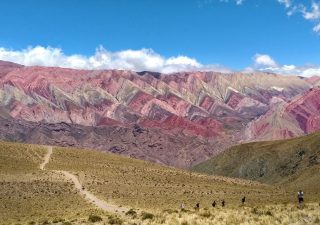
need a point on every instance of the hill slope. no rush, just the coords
(28, 193)
(294, 162)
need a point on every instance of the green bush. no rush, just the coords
(94, 218)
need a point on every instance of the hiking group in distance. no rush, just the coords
(243, 201)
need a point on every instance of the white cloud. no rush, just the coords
(294, 70)
(314, 13)
(203, 3)
(140, 60)
(266, 63)
(287, 3)
(310, 12)
(136, 60)
(317, 28)
(264, 60)
(239, 2)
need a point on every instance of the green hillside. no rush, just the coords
(293, 163)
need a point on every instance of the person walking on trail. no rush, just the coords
(182, 206)
(214, 204)
(300, 197)
(223, 203)
(197, 206)
(243, 200)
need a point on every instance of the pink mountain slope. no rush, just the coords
(177, 119)
(297, 117)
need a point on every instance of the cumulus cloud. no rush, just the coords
(140, 60)
(264, 60)
(265, 63)
(135, 60)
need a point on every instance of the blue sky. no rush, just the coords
(213, 33)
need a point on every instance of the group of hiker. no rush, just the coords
(243, 201)
(214, 204)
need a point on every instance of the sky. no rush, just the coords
(281, 36)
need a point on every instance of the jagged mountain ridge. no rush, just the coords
(214, 109)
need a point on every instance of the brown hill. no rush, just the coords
(291, 163)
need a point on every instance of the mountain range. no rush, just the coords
(177, 119)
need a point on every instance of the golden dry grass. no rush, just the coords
(29, 194)
(262, 215)
(139, 184)
(293, 163)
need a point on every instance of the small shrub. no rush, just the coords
(205, 214)
(94, 218)
(170, 211)
(184, 223)
(269, 213)
(66, 223)
(57, 220)
(45, 222)
(32, 223)
(147, 216)
(115, 220)
(132, 213)
(255, 211)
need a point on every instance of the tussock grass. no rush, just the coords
(29, 195)
(293, 164)
(263, 215)
(151, 187)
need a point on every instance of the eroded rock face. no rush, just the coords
(297, 117)
(173, 149)
(6, 67)
(213, 110)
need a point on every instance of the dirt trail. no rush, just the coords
(92, 198)
(46, 158)
(83, 192)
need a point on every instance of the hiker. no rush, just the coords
(197, 206)
(223, 203)
(243, 200)
(214, 204)
(182, 206)
(300, 197)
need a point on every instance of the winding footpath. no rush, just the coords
(101, 204)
